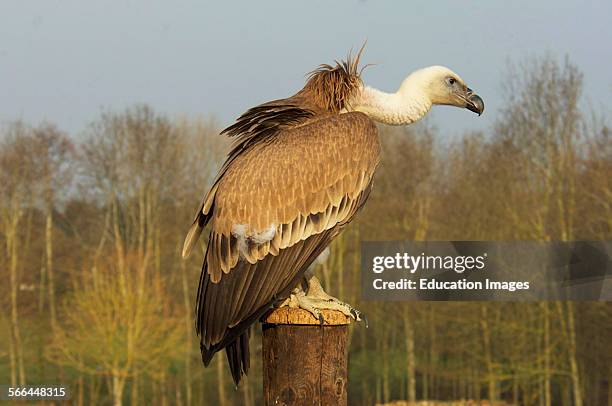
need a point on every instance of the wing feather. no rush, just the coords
(305, 184)
(264, 283)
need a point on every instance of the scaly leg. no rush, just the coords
(315, 299)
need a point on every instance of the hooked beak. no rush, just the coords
(473, 102)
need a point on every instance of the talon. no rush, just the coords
(313, 299)
(365, 320)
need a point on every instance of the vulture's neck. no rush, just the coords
(407, 105)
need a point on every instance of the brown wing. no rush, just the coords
(255, 126)
(276, 207)
(299, 183)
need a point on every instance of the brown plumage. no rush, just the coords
(296, 175)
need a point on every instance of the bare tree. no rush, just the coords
(113, 326)
(19, 174)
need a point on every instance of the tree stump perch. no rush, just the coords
(305, 363)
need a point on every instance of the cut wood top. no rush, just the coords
(287, 315)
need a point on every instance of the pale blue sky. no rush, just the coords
(66, 60)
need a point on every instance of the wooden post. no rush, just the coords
(305, 363)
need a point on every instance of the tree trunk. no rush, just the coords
(221, 381)
(486, 340)
(546, 314)
(118, 383)
(17, 366)
(410, 359)
(247, 396)
(135, 389)
(49, 258)
(572, 355)
(188, 331)
(386, 384)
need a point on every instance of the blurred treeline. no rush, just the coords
(94, 293)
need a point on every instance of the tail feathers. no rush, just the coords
(237, 356)
(207, 355)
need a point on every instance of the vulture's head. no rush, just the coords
(442, 86)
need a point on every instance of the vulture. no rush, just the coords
(298, 172)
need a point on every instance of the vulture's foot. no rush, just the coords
(316, 299)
